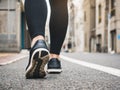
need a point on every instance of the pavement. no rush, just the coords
(10, 57)
(73, 77)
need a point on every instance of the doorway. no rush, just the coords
(113, 40)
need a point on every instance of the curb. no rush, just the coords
(13, 60)
(13, 57)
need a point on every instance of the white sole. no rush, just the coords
(33, 62)
(54, 70)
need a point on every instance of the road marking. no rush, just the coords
(105, 69)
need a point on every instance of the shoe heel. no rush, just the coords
(45, 58)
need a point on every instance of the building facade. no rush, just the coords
(79, 20)
(107, 25)
(75, 34)
(101, 25)
(89, 25)
(10, 25)
(114, 26)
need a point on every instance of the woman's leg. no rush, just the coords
(58, 25)
(36, 14)
(58, 29)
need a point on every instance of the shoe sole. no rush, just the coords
(54, 70)
(37, 64)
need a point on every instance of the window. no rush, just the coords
(112, 3)
(84, 16)
(112, 7)
(100, 12)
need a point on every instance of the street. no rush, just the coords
(86, 31)
(73, 77)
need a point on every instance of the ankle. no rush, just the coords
(40, 37)
(54, 56)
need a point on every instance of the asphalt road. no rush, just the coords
(73, 77)
(110, 60)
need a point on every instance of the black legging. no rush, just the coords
(36, 14)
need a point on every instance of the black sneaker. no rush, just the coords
(54, 66)
(38, 58)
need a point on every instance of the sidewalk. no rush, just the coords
(7, 58)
